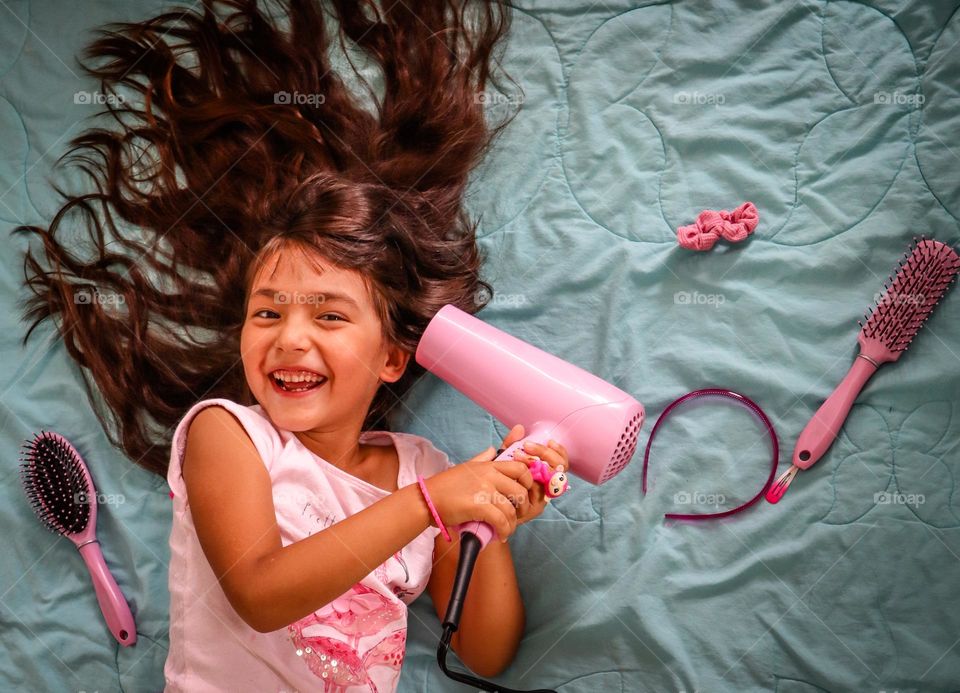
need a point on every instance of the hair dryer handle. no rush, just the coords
(483, 530)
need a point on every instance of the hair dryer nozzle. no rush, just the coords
(597, 422)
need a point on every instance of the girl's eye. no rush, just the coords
(325, 315)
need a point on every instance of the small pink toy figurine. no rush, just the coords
(554, 480)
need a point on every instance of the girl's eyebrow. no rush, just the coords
(326, 296)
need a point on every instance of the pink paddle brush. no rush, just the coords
(922, 278)
(61, 491)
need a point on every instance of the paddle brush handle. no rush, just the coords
(823, 428)
(115, 610)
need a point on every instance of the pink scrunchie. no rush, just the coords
(733, 226)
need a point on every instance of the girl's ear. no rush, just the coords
(395, 365)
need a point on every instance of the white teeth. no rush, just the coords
(291, 377)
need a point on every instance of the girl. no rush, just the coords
(259, 214)
(297, 539)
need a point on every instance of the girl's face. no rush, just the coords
(301, 319)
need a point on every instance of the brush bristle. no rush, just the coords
(54, 481)
(922, 278)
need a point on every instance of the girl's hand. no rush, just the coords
(481, 489)
(553, 453)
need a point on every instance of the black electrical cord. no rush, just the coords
(469, 550)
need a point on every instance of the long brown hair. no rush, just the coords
(246, 142)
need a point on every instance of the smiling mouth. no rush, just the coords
(297, 387)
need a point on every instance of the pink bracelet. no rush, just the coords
(433, 510)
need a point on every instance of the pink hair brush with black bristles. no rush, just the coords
(921, 279)
(63, 497)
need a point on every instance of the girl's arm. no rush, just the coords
(493, 618)
(270, 585)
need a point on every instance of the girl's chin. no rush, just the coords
(293, 411)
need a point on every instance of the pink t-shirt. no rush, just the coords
(355, 643)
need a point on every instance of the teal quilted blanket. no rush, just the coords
(840, 121)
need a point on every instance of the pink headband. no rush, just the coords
(752, 406)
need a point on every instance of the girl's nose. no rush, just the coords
(293, 335)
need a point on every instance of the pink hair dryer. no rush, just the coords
(518, 383)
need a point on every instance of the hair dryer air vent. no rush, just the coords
(625, 448)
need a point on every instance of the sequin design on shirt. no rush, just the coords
(359, 613)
